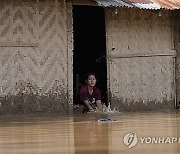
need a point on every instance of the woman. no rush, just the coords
(90, 94)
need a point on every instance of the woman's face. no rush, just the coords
(91, 81)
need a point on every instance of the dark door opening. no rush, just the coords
(89, 48)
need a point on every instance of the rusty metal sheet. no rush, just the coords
(142, 4)
(169, 4)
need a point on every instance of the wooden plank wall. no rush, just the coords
(141, 58)
(33, 56)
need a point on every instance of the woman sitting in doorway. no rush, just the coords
(90, 94)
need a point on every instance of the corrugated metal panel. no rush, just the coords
(116, 3)
(142, 4)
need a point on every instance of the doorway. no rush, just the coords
(89, 53)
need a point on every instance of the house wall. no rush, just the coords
(33, 56)
(141, 59)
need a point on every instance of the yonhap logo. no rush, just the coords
(130, 139)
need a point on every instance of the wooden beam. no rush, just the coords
(84, 2)
(173, 53)
(14, 44)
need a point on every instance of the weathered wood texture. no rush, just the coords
(141, 56)
(70, 45)
(177, 48)
(33, 56)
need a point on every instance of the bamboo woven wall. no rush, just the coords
(141, 56)
(33, 55)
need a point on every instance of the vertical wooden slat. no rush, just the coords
(177, 48)
(108, 60)
(70, 51)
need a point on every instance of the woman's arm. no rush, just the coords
(88, 104)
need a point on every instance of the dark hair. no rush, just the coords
(88, 74)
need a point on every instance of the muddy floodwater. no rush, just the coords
(129, 133)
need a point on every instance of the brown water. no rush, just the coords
(83, 134)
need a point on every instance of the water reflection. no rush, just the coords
(145, 125)
(83, 134)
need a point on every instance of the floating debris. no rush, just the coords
(106, 120)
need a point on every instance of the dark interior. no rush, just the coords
(89, 53)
